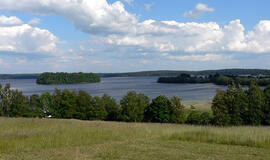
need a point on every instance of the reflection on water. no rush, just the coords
(117, 87)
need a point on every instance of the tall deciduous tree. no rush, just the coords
(85, 104)
(19, 105)
(46, 101)
(6, 97)
(177, 110)
(133, 106)
(35, 106)
(159, 110)
(64, 103)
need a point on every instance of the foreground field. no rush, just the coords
(53, 139)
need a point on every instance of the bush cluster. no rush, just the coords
(199, 118)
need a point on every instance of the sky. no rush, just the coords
(133, 35)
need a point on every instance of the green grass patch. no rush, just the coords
(243, 136)
(56, 139)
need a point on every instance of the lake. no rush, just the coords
(118, 86)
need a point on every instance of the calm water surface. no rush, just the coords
(117, 87)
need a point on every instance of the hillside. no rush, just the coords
(53, 139)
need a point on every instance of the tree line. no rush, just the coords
(67, 78)
(133, 107)
(165, 73)
(216, 79)
(225, 72)
(234, 106)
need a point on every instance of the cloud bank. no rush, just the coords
(119, 27)
(112, 25)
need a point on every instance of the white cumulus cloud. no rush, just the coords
(20, 37)
(9, 21)
(199, 10)
(148, 6)
(91, 16)
(200, 57)
(112, 24)
(34, 21)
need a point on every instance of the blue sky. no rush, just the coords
(133, 35)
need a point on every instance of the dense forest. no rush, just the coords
(67, 78)
(19, 76)
(232, 107)
(157, 73)
(216, 79)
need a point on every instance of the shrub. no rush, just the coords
(194, 117)
(205, 118)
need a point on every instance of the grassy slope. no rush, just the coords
(73, 139)
(201, 106)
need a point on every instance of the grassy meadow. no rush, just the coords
(56, 139)
(201, 106)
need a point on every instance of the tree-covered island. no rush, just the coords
(262, 80)
(67, 78)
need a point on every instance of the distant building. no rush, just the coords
(202, 76)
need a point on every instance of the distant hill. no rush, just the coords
(176, 73)
(158, 73)
(19, 76)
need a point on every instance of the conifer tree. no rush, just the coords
(112, 108)
(220, 109)
(230, 101)
(256, 104)
(267, 105)
(241, 106)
